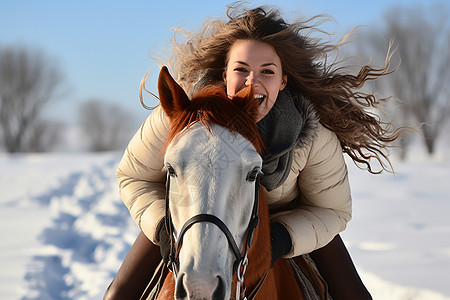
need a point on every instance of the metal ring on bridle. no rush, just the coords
(242, 267)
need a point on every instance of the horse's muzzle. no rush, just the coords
(206, 288)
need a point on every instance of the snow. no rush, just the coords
(64, 230)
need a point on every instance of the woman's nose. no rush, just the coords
(251, 79)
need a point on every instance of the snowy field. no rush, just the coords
(64, 230)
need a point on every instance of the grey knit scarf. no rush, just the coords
(292, 122)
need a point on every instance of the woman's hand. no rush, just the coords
(280, 240)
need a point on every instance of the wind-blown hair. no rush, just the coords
(335, 93)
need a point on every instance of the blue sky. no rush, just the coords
(104, 47)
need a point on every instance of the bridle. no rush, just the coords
(241, 262)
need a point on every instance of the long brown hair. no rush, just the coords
(335, 93)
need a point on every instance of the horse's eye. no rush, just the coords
(171, 171)
(253, 174)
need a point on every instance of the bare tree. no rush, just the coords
(422, 38)
(45, 135)
(420, 87)
(105, 126)
(28, 81)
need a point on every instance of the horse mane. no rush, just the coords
(211, 105)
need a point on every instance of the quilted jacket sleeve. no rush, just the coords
(324, 206)
(141, 177)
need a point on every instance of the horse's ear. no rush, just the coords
(245, 99)
(246, 93)
(172, 97)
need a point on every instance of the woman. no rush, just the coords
(309, 115)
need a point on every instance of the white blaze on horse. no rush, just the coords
(213, 162)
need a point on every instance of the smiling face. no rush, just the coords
(255, 63)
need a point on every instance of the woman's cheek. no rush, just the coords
(232, 88)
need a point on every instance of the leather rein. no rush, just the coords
(241, 262)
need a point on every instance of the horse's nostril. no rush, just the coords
(180, 290)
(219, 292)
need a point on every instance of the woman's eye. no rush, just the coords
(240, 70)
(268, 72)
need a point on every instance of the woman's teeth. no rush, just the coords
(260, 98)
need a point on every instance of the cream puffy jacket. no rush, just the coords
(314, 202)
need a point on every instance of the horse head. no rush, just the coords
(212, 157)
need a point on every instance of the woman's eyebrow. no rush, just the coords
(263, 65)
(241, 63)
(269, 64)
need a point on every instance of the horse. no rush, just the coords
(217, 219)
